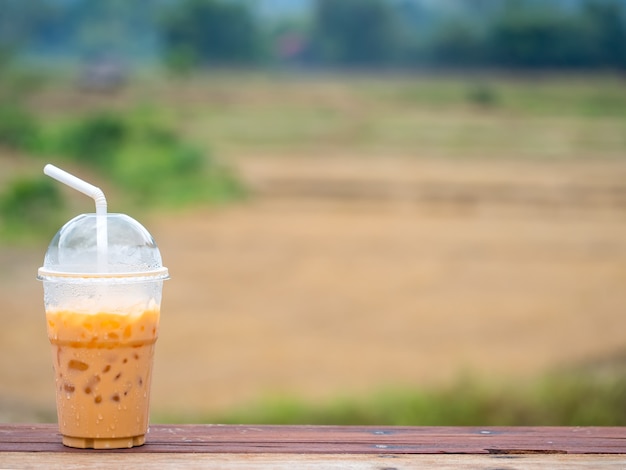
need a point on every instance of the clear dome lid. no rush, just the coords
(130, 250)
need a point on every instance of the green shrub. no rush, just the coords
(148, 161)
(30, 205)
(573, 399)
(149, 169)
(18, 128)
(166, 171)
(482, 94)
(96, 139)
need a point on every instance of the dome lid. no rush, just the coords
(130, 251)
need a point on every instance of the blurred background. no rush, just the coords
(373, 211)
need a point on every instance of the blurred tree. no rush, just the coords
(530, 38)
(458, 43)
(607, 30)
(80, 27)
(19, 23)
(201, 32)
(355, 32)
(586, 34)
(362, 33)
(111, 27)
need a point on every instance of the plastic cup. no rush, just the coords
(102, 324)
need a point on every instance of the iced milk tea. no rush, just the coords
(103, 363)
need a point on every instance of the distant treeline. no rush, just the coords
(525, 34)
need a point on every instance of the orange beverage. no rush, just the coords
(102, 280)
(103, 367)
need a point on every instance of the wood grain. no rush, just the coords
(188, 461)
(238, 439)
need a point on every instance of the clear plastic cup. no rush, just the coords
(103, 322)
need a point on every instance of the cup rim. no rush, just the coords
(160, 274)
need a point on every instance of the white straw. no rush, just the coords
(101, 207)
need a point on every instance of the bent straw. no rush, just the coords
(101, 207)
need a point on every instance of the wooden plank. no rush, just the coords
(238, 439)
(157, 461)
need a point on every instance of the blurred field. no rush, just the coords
(398, 233)
(482, 116)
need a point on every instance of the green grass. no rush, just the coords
(594, 96)
(474, 117)
(558, 400)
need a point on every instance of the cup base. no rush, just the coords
(104, 443)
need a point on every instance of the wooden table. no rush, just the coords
(334, 447)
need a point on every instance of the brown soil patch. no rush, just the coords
(320, 296)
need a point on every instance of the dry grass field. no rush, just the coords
(359, 264)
